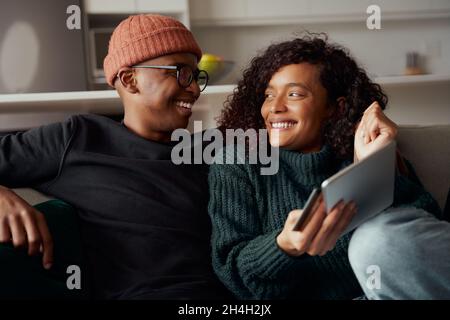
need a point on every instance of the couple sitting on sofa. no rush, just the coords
(143, 221)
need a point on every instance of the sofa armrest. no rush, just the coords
(32, 196)
(23, 277)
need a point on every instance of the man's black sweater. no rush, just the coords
(144, 221)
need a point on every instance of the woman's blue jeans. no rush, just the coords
(403, 253)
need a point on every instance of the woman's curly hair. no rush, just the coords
(340, 75)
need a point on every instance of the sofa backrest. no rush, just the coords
(428, 150)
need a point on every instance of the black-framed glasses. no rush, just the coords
(185, 75)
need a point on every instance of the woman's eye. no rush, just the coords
(268, 95)
(296, 94)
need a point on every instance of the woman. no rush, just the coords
(311, 96)
(143, 219)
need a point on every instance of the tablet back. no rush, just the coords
(370, 183)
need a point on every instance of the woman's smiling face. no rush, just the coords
(296, 108)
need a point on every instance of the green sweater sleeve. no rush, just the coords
(246, 260)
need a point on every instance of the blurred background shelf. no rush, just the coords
(393, 81)
(100, 101)
(104, 101)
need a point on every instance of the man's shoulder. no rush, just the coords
(94, 119)
(94, 123)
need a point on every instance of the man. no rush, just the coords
(143, 220)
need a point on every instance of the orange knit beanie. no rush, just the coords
(142, 37)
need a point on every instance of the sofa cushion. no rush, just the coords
(428, 150)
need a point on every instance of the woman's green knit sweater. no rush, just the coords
(248, 211)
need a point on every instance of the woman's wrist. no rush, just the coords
(283, 245)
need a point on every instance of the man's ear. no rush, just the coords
(127, 78)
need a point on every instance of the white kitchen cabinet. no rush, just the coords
(273, 9)
(440, 5)
(206, 11)
(306, 11)
(178, 9)
(389, 6)
(109, 6)
(413, 9)
(337, 8)
(162, 6)
(262, 12)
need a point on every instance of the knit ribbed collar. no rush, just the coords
(309, 168)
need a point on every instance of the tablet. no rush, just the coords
(369, 182)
